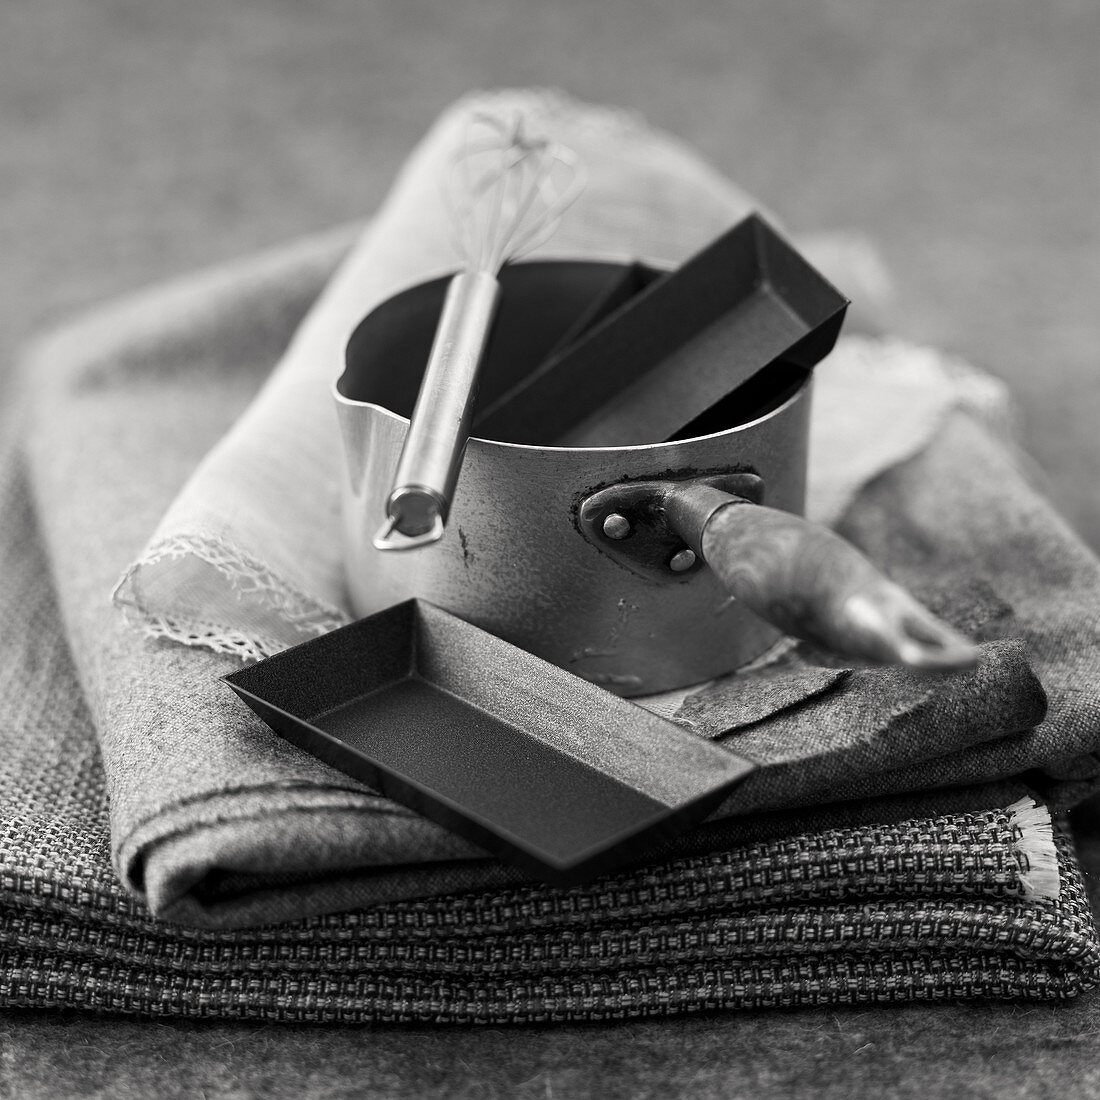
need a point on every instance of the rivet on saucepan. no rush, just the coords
(616, 526)
(682, 560)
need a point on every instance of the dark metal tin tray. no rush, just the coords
(691, 351)
(532, 763)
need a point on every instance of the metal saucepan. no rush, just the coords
(641, 568)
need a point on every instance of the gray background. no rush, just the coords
(142, 138)
(139, 140)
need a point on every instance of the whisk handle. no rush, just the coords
(431, 457)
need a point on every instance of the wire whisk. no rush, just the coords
(506, 190)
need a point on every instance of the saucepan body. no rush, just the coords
(514, 559)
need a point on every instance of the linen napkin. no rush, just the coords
(247, 558)
(216, 822)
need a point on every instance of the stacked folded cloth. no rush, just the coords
(166, 853)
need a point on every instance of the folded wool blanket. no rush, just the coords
(135, 426)
(964, 905)
(927, 910)
(980, 904)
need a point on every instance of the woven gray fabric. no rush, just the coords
(924, 909)
(920, 910)
(217, 822)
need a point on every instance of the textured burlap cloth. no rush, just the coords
(147, 815)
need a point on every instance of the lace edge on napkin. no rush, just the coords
(277, 614)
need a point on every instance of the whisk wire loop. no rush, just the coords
(507, 190)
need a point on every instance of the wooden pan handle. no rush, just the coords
(811, 583)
